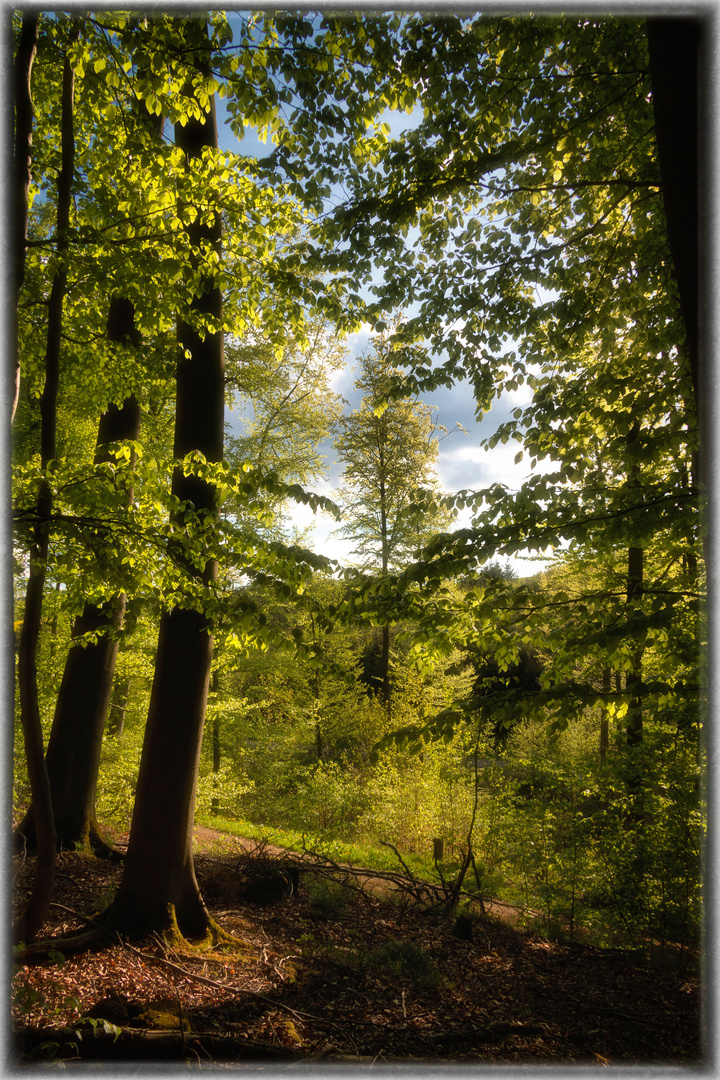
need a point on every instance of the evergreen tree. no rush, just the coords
(390, 452)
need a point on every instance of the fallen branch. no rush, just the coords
(400, 859)
(151, 1045)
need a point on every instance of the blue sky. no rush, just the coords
(462, 462)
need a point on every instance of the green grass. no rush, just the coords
(344, 851)
(406, 960)
(394, 959)
(326, 897)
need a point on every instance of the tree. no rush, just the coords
(169, 76)
(73, 753)
(24, 57)
(389, 453)
(32, 918)
(543, 259)
(282, 390)
(83, 700)
(158, 887)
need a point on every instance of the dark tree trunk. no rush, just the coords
(27, 47)
(674, 45)
(75, 743)
(29, 923)
(159, 889)
(604, 726)
(634, 677)
(679, 53)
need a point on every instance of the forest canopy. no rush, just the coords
(491, 198)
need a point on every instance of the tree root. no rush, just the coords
(105, 929)
(72, 943)
(101, 847)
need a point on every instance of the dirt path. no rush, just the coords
(209, 841)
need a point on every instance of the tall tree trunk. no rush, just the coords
(385, 654)
(634, 594)
(75, 743)
(159, 889)
(675, 50)
(27, 47)
(29, 923)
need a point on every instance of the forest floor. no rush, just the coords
(335, 971)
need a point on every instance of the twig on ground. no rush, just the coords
(214, 983)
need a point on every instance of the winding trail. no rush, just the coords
(208, 841)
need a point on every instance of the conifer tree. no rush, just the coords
(389, 454)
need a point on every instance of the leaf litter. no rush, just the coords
(330, 972)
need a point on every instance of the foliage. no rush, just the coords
(517, 219)
(389, 452)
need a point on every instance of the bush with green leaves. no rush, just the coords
(220, 792)
(573, 841)
(411, 798)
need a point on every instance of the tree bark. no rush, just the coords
(159, 890)
(674, 46)
(27, 48)
(28, 925)
(75, 743)
(385, 656)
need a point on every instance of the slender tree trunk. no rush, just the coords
(634, 677)
(635, 773)
(29, 923)
(385, 656)
(118, 707)
(159, 889)
(75, 744)
(27, 47)
(215, 802)
(604, 726)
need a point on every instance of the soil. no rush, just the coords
(337, 967)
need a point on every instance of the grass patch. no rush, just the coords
(326, 897)
(342, 851)
(406, 961)
(398, 960)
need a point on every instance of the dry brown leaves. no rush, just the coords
(365, 981)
